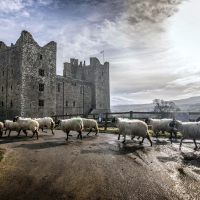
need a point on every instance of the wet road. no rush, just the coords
(97, 167)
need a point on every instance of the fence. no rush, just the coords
(104, 119)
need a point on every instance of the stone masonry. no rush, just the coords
(31, 88)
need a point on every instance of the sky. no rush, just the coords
(152, 46)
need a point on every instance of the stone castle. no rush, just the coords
(30, 86)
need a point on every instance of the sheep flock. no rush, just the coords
(126, 127)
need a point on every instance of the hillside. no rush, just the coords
(191, 104)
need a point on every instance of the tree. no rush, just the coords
(165, 106)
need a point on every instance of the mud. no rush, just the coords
(97, 167)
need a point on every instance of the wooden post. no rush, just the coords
(131, 114)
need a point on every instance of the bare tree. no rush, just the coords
(165, 106)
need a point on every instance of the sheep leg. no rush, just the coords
(52, 125)
(170, 137)
(148, 137)
(89, 131)
(79, 134)
(142, 140)
(33, 134)
(67, 134)
(25, 132)
(9, 133)
(96, 130)
(19, 132)
(132, 136)
(43, 130)
(196, 147)
(5, 132)
(181, 143)
(156, 134)
(124, 139)
(119, 136)
(138, 137)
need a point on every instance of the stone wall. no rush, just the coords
(28, 75)
(10, 80)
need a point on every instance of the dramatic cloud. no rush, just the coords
(152, 46)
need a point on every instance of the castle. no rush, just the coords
(30, 86)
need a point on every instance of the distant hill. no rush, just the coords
(191, 104)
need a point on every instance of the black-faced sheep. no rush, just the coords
(46, 122)
(11, 126)
(132, 127)
(161, 125)
(27, 124)
(189, 130)
(73, 124)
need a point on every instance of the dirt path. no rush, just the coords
(97, 167)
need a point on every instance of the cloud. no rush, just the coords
(17, 5)
(25, 14)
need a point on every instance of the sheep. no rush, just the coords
(90, 123)
(11, 126)
(189, 130)
(73, 124)
(125, 119)
(46, 122)
(132, 127)
(27, 124)
(1, 129)
(161, 125)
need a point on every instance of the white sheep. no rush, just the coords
(161, 125)
(27, 124)
(189, 130)
(90, 123)
(73, 124)
(11, 126)
(46, 122)
(132, 127)
(1, 129)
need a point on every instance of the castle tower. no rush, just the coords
(31, 71)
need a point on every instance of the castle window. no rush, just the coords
(11, 103)
(59, 87)
(41, 87)
(41, 72)
(74, 103)
(40, 57)
(3, 73)
(41, 103)
(11, 87)
(66, 103)
(12, 71)
(2, 88)
(2, 103)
